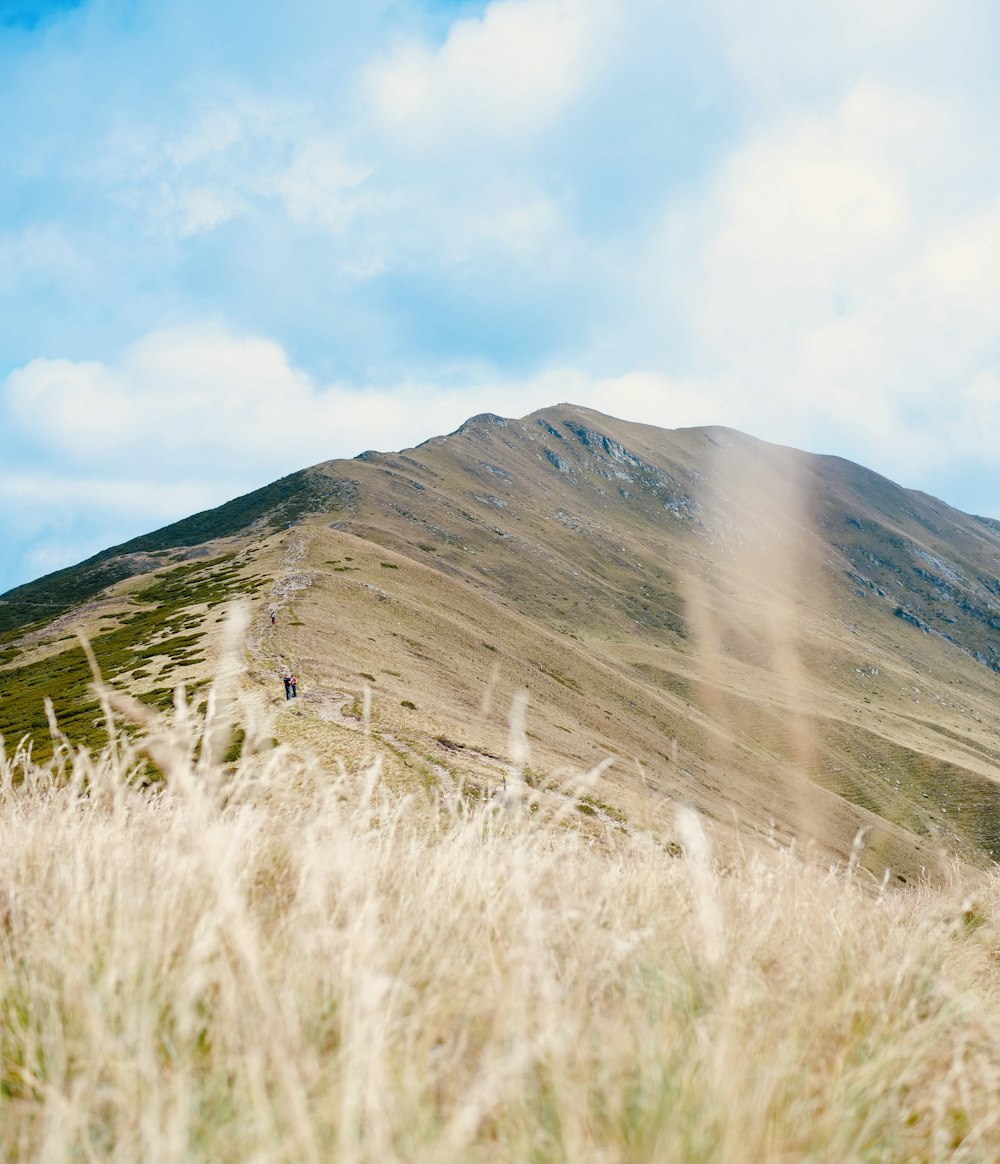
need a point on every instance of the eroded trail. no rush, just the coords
(263, 640)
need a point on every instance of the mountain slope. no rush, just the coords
(264, 509)
(787, 640)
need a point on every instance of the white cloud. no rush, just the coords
(959, 271)
(507, 75)
(217, 132)
(38, 495)
(666, 401)
(321, 183)
(176, 400)
(40, 254)
(197, 405)
(226, 160)
(797, 222)
(779, 45)
(834, 302)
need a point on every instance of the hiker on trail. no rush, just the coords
(272, 618)
(295, 687)
(288, 687)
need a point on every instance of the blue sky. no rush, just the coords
(240, 238)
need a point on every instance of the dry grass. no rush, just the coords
(265, 961)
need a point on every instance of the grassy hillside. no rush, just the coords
(274, 506)
(789, 643)
(265, 960)
(156, 643)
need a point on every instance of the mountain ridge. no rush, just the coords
(783, 636)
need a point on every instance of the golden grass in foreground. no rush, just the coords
(274, 963)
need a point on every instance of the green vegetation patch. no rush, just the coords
(675, 683)
(559, 677)
(151, 630)
(589, 806)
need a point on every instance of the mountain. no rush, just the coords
(790, 642)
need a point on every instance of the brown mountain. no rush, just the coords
(790, 642)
